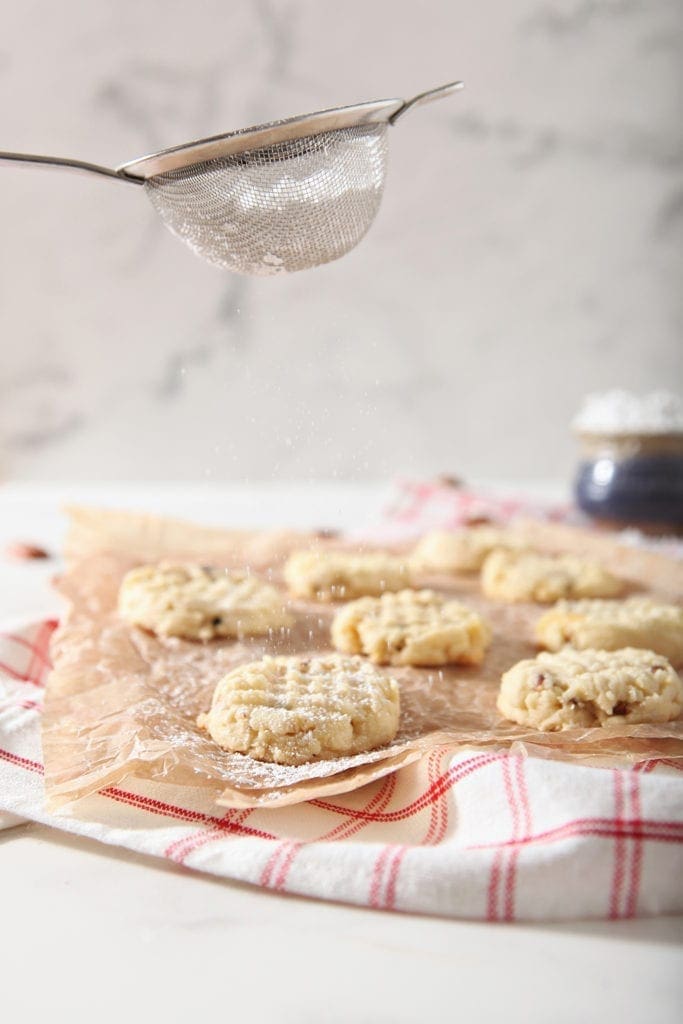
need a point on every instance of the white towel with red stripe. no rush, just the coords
(482, 835)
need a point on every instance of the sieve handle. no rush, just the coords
(427, 97)
(74, 165)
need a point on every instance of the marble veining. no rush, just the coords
(618, 145)
(576, 16)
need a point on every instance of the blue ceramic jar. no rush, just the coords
(632, 479)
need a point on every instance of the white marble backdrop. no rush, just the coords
(527, 250)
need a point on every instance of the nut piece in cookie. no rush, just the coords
(610, 625)
(456, 551)
(412, 627)
(584, 689)
(339, 575)
(529, 576)
(199, 602)
(292, 710)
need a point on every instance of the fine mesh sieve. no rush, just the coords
(286, 207)
(274, 198)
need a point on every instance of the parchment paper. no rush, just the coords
(123, 702)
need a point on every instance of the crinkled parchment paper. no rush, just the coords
(121, 701)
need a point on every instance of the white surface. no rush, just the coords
(110, 937)
(527, 249)
(94, 931)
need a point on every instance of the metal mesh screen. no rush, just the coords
(286, 207)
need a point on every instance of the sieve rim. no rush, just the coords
(259, 136)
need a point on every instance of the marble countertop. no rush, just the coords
(102, 933)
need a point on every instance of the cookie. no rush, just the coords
(199, 602)
(583, 689)
(291, 710)
(529, 576)
(456, 551)
(339, 575)
(609, 625)
(412, 627)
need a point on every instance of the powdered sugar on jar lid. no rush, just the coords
(622, 412)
